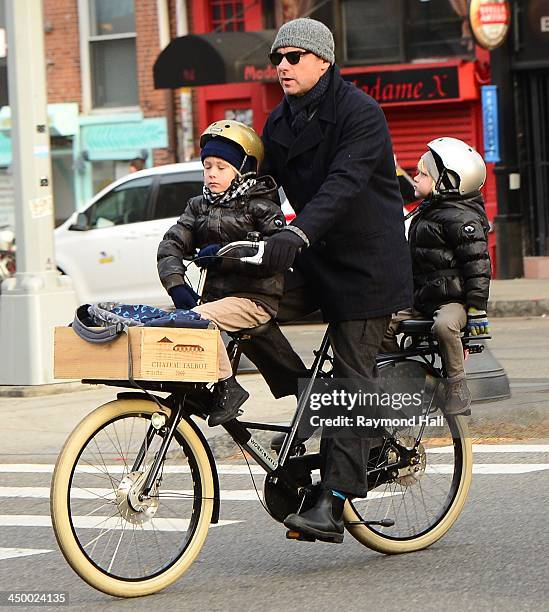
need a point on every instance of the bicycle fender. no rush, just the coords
(149, 397)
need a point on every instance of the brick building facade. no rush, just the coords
(420, 44)
(94, 135)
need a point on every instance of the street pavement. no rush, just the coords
(493, 558)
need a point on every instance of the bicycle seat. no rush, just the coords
(413, 327)
(251, 332)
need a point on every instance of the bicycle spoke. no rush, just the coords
(420, 495)
(136, 538)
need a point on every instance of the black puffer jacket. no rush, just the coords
(204, 223)
(450, 261)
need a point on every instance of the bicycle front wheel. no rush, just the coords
(424, 500)
(118, 543)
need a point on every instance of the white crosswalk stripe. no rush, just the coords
(231, 475)
(242, 470)
(499, 448)
(10, 553)
(100, 522)
(109, 494)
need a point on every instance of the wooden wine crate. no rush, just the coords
(158, 353)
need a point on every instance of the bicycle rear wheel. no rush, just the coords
(117, 543)
(425, 500)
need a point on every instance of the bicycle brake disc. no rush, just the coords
(131, 508)
(412, 473)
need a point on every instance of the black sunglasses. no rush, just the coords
(292, 57)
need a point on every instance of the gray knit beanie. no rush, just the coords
(308, 34)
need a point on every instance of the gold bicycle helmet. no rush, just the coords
(238, 133)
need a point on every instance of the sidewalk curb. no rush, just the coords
(49, 389)
(518, 308)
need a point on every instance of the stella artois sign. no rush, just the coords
(489, 21)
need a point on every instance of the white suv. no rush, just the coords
(109, 249)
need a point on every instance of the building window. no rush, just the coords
(276, 12)
(437, 29)
(109, 52)
(372, 31)
(227, 15)
(392, 31)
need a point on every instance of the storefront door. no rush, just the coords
(534, 157)
(239, 110)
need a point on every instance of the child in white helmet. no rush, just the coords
(450, 260)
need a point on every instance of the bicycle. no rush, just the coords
(135, 487)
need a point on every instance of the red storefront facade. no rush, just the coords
(422, 100)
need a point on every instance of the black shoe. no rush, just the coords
(324, 520)
(228, 397)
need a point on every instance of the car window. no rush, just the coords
(126, 203)
(174, 192)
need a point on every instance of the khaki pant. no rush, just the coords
(449, 320)
(232, 314)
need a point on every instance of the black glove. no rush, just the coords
(281, 250)
(205, 257)
(183, 296)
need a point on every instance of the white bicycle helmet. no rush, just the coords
(455, 167)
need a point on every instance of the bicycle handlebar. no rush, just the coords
(256, 259)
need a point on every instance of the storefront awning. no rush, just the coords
(214, 59)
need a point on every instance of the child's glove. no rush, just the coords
(184, 297)
(477, 322)
(205, 257)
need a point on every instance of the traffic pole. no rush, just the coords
(37, 298)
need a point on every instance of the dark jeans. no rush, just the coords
(355, 345)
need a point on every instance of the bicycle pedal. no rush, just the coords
(300, 537)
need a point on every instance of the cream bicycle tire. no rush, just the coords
(387, 545)
(60, 511)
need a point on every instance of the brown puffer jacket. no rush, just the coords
(204, 223)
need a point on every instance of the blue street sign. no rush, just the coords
(490, 123)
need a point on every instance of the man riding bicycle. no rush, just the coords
(327, 144)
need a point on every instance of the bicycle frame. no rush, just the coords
(395, 465)
(422, 346)
(239, 430)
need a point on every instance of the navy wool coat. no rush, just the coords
(339, 175)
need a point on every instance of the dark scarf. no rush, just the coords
(302, 108)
